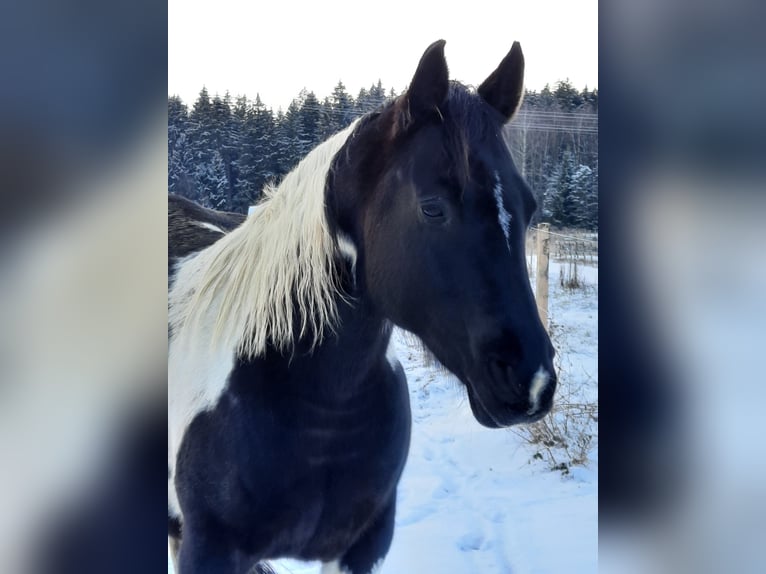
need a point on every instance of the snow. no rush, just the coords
(475, 500)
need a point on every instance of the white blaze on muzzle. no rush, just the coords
(539, 383)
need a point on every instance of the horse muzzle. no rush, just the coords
(501, 395)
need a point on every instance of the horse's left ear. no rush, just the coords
(504, 87)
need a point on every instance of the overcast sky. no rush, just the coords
(276, 48)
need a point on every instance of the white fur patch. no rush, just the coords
(348, 250)
(174, 507)
(197, 372)
(502, 214)
(196, 379)
(539, 382)
(209, 226)
(391, 356)
(334, 568)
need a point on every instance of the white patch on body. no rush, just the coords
(197, 371)
(502, 214)
(174, 507)
(539, 382)
(334, 568)
(348, 250)
(391, 356)
(209, 226)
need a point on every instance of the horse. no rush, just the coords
(289, 414)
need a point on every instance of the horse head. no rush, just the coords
(428, 202)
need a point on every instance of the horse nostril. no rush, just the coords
(499, 369)
(503, 374)
(514, 352)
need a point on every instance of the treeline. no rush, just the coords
(222, 151)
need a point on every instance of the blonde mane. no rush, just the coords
(272, 280)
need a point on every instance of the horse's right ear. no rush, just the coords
(429, 86)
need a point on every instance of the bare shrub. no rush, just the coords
(568, 278)
(565, 437)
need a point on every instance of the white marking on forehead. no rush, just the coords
(539, 382)
(502, 214)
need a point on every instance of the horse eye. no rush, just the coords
(432, 209)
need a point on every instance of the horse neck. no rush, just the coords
(343, 364)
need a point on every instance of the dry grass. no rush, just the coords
(566, 436)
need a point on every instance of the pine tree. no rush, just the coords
(362, 103)
(181, 168)
(567, 97)
(560, 196)
(202, 107)
(252, 156)
(343, 105)
(309, 122)
(202, 144)
(218, 183)
(180, 156)
(591, 202)
(546, 99)
(582, 181)
(227, 135)
(571, 194)
(239, 114)
(284, 137)
(327, 124)
(263, 125)
(377, 96)
(211, 182)
(222, 152)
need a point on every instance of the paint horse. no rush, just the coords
(289, 416)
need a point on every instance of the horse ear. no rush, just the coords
(504, 87)
(429, 86)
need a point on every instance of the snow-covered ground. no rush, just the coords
(474, 500)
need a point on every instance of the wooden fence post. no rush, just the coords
(541, 281)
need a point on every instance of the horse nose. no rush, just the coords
(529, 387)
(514, 358)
